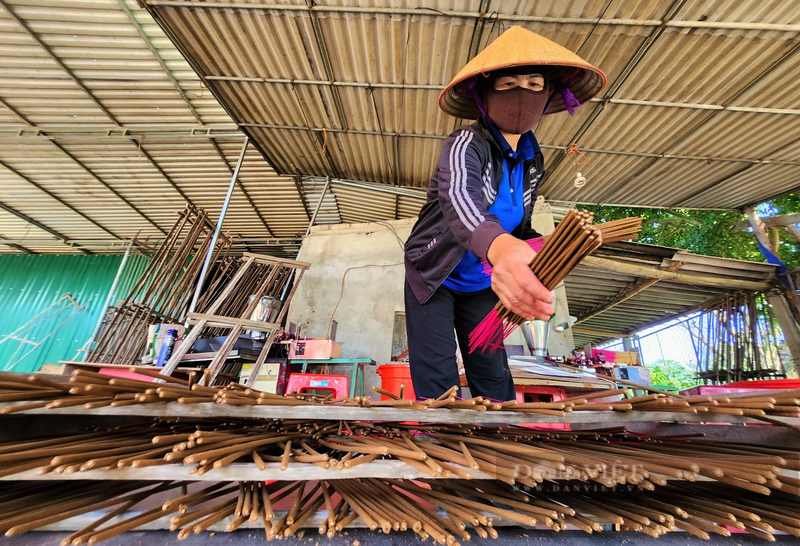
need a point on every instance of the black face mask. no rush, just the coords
(517, 110)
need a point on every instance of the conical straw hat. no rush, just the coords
(521, 47)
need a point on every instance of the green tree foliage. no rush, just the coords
(706, 231)
(671, 373)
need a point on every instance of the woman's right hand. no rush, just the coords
(514, 282)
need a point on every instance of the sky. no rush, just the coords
(670, 341)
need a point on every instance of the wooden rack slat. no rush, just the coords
(244, 472)
(162, 524)
(248, 472)
(349, 413)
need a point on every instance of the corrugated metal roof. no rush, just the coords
(590, 288)
(328, 212)
(355, 208)
(106, 129)
(106, 132)
(348, 89)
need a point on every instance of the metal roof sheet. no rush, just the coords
(107, 127)
(352, 86)
(590, 288)
(106, 132)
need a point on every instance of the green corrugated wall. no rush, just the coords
(29, 284)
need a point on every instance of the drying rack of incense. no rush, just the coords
(92, 393)
(468, 480)
(445, 469)
(163, 291)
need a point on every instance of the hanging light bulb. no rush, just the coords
(580, 180)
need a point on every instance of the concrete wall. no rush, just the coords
(371, 294)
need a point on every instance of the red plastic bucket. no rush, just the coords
(392, 376)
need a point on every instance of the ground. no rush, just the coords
(508, 536)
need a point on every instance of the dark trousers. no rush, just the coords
(432, 345)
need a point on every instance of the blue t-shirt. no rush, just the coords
(508, 207)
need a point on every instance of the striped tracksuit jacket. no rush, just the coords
(455, 217)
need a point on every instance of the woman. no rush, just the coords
(479, 208)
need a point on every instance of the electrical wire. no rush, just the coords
(341, 292)
(394, 231)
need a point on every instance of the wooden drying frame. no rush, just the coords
(237, 324)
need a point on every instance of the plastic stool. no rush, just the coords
(304, 382)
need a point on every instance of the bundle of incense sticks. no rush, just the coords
(573, 239)
(21, 393)
(620, 230)
(614, 231)
(508, 454)
(442, 510)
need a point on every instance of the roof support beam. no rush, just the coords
(546, 146)
(326, 62)
(58, 61)
(475, 43)
(4, 241)
(420, 193)
(14, 111)
(439, 88)
(683, 278)
(303, 197)
(373, 186)
(158, 134)
(57, 198)
(95, 133)
(31, 221)
(328, 82)
(477, 31)
(769, 221)
(432, 12)
(727, 107)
